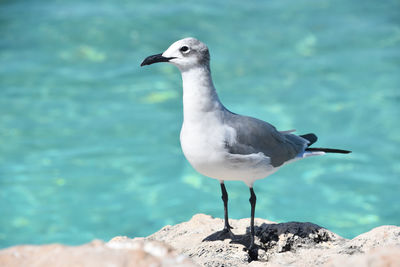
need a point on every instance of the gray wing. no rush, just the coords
(254, 136)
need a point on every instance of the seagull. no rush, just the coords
(224, 145)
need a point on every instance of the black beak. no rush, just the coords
(155, 59)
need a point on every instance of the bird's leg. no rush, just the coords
(253, 208)
(227, 227)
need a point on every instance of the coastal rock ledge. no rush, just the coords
(198, 242)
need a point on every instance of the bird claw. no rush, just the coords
(253, 253)
(226, 231)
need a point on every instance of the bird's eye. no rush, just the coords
(184, 49)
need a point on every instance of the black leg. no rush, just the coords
(227, 227)
(253, 208)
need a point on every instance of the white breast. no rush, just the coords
(202, 142)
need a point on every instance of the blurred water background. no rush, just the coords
(89, 141)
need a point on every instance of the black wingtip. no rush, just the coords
(328, 150)
(310, 137)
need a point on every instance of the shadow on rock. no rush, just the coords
(284, 237)
(278, 238)
(243, 240)
(235, 239)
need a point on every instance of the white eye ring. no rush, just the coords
(184, 49)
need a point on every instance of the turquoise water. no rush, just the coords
(89, 141)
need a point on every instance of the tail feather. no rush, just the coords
(312, 138)
(328, 150)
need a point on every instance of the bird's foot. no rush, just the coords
(227, 227)
(226, 232)
(252, 250)
(253, 253)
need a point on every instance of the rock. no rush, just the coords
(381, 257)
(199, 242)
(120, 251)
(283, 244)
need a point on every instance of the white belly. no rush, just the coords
(204, 148)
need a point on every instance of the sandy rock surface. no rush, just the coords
(283, 244)
(120, 251)
(199, 242)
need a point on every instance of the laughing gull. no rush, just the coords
(221, 144)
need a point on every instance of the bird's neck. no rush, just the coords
(199, 95)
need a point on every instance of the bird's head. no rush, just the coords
(185, 54)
